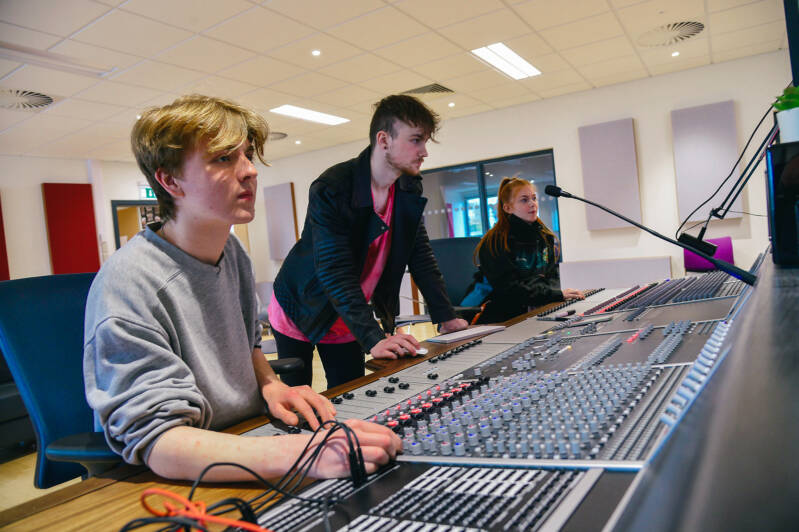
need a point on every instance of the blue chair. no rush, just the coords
(455, 257)
(49, 374)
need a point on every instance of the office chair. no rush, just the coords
(455, 257)
(49, 375)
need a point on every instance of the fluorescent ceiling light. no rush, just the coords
(34, 56)
(307, 114)
(506, 61)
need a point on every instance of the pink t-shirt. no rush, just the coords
(376, 257)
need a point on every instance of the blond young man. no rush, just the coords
(172, 342)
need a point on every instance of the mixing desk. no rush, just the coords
(518, 430)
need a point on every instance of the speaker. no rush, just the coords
(783, 202)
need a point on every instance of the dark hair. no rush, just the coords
(497, 237)
(162, 136)
(402, 107)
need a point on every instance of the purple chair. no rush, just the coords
(695, 263)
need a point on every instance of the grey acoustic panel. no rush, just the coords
(281, 219)
(614, 273)
(705, 141)
(610, 172)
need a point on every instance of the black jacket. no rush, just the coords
(320, 278)
(526, 276)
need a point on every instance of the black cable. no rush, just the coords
(734, 166)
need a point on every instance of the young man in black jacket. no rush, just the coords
(363, 227)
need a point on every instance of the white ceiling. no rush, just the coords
(259, 53)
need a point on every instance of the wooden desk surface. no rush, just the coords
(110, 501)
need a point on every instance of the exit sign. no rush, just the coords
(146, 192)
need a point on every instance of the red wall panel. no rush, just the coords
(4, 275)
(71, 231)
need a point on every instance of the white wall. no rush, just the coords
(751, 83)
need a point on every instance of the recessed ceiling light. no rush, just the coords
(675, 54)
(316, 53)
(297, 142)
(451, 104)
(138, 117)
(308, 114)
(506, 61)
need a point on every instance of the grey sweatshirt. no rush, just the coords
(168, 341)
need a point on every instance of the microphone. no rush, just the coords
(724, 266)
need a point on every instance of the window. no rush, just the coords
(462, 200)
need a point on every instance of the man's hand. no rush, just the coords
(282, 399)
(571, 293)
(453, 325)
(395, 346)
(378, 445)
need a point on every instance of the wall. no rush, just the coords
(751, 83)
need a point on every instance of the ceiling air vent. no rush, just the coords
(669, 34)
(24, 100)
(433, 88)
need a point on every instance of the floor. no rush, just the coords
(16, 475)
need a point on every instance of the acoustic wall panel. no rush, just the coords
(281, 219)
(4, 273)
(71, 229)
(705, 141)
(610, 172)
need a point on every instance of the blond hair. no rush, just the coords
(162, 136)
(497, 237)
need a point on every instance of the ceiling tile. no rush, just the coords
(746, 16)
(646, 16)
(10, 117)
(621, 77)
(541, 14)
(599, 51)
(161, 99)
(618, 4)
(7, 66)
(159, 76)
(593, 29)
(114, 151)
(263, 99)
(396, 83)
(564, 89)
(12, 143)
(494, 27)
(461, 101)
(458, 112)
(23, 37)
(445, 12)
(61, 18)
(552, 80)
(123, 32)
(101, 58)
(417, 50)
(260, 30)
(549, 63)
(683, 64)
(518, 100)
(500, 92)
(47, 81)
(348, 95)
(86, 110)
(193, 15)
(299, 52)
(378, 28)
(529, 46)
(746, 51)
(748, 36)
(204, 54)
(50, 127)
(110, 130)
(220, 87)
(720, 5)
(451, 67)
(477, 80)
(323, 14)
(111, 92)
(661, 55)
(360, 68)
(260, 71)
(291, 126)
(606, 69)
(307, 85)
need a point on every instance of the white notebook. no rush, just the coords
(465, 334)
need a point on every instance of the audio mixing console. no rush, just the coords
(542, 425)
